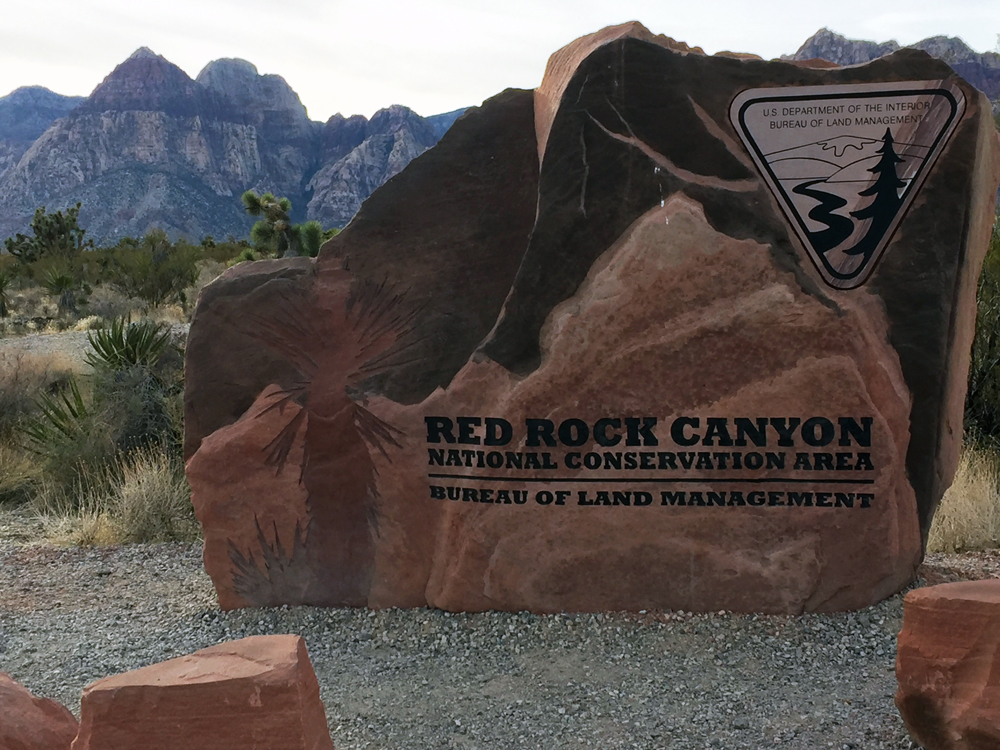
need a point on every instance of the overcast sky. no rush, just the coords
(432, 55)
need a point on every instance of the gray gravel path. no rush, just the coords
(70, 345)
(428, 679)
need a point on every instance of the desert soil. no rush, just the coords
(430, 679)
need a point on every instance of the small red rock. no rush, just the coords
(255, 693)
(30, 723)
(948, 666)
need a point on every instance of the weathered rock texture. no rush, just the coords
(30, 723)
(946, 664)
(258, 692)
(150, 147)
(25, 114)
(640, 268)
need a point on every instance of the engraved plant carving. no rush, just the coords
(336, 337)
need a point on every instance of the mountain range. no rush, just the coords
(152, 147)
(982, 70)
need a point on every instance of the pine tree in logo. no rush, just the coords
(885, 199)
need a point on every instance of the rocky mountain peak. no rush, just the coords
(981, 70)
(394, 118)
(953, 50)
(829, 45)
(26, 112)
(143, 52)
(265, 100)
(148, 82)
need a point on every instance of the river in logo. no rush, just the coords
(845, 162)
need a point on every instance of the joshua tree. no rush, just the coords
(275, 231)
(56, 234)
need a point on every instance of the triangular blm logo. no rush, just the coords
(845, 162)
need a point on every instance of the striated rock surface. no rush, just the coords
(949, 689)
(30, 723)
(318, 420)
(580, 355)
(255, 692)
(388, 142)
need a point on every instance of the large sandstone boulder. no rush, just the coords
(258, 692)
(30, 723)
(946, 664)
(638, 339)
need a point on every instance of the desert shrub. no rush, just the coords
(7, 276)
(152, 501)
(20, 474)
(129, 402)
(140, 496)
(982, 402)
(134, 401)
(222, 252)
(69, 437)
(108, 302)
(969, 515)
(61, 417)
(22, 377)
(154, 270)
(138, 371)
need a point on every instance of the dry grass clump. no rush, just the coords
(22, 377)
(968, 518)
(20, 474)
(139, 497)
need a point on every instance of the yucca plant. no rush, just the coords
(59, 281)
(6, 280)
(61, 418)
(248, 253)
(124, 344)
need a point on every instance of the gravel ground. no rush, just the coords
(429, 679)
(68, 346)
(71, 345)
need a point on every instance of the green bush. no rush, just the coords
(131, 401)
(154, 270)
(223, 252)
(982, 402)
(6, 284)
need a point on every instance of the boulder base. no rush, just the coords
(30, 723)
(948, 666)
(259, 692)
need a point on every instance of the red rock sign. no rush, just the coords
(579, 357)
